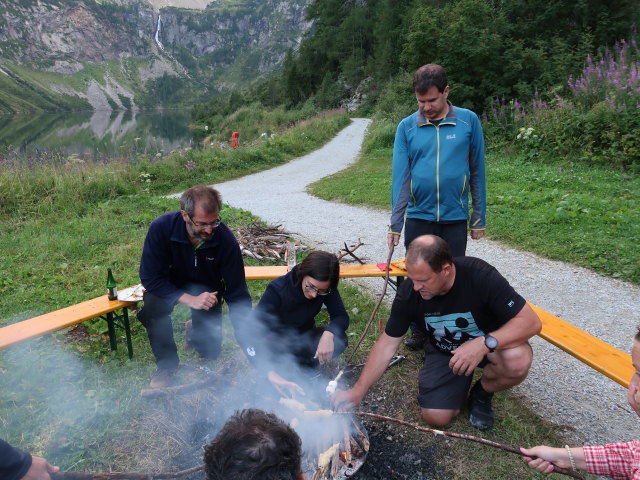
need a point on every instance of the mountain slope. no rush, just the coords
(62, 54)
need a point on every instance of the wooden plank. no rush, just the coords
(265, 273)
(346, 271)
(598, 354)
(59, 319)
(369, 270)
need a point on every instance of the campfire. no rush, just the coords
(335, 446)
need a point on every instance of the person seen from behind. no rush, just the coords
(254, 445)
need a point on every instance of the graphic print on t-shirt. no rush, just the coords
(451, 331)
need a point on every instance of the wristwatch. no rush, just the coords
(491, 343)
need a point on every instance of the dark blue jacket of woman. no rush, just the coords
(284, 323)
(283, 306)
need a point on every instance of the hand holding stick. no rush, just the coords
(506, 448)
(124, 475)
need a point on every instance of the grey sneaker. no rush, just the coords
(480, 411)
(163, 378)
(415, 341)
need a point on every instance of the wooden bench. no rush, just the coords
(594, 352)
(346, 271)
(598, 354)
(66, 317)
(104, 308)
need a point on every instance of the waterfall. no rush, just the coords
(158, 35)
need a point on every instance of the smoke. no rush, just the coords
(54, 401)
(88, 415)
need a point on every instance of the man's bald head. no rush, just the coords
(430, 249)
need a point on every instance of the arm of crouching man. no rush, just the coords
(381, 353)
(524, 325)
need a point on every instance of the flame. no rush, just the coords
(343, 456)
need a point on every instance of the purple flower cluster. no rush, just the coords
(190, 165)
(614, 78)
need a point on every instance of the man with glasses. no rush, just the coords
(190, 257)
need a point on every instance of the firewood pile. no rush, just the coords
(335, 446)
(263, 242)
(272, 243)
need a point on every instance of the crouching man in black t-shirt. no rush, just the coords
(472, 318)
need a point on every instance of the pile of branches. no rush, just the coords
(263, 242)
(271, 242)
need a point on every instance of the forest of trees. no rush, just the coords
(490, 48)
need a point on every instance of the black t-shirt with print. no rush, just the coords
(479, 302)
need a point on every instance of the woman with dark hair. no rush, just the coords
(287, 324)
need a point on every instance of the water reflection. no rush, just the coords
(99, 136)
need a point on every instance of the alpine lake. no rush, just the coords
(99, 136)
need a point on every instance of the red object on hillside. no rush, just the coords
(235, 140)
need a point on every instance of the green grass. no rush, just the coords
(68, 397)
(585, 215)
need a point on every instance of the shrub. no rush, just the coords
(599, 124)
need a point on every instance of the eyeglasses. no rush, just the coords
(213, 225)
(312, 289)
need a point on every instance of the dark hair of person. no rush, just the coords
(207, 198)
(321, 266)
(427, 76)
(254, 445)
(432, 250)
(637, 336)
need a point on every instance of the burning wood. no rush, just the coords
(335, 446)
(325, 457)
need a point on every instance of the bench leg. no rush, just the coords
(112, 331)
(127, 331)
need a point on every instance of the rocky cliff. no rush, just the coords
(60, 54)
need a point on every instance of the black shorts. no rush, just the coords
(438, 386)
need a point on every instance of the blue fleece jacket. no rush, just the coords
(435, 166)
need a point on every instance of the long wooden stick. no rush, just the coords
(375, 309)
(506, 448)
(123, 475)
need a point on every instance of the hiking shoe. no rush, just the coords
(163, 378)
(415, 341)
(480, 411)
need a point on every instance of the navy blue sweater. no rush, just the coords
(284, 307)
(170, 263)
(283, 310)
(14, 463)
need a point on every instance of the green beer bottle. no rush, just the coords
(112, 290)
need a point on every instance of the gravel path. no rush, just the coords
(559, 387)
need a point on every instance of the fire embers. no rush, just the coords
(335, 445)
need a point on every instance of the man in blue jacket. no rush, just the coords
(18, 465)
(438, 160)
(190, 257)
